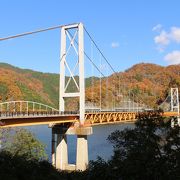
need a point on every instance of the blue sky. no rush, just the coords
(127, 31)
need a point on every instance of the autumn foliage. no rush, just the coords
(148, 83)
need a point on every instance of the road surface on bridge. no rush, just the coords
(15, 119)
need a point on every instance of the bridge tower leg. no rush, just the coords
(61, 156)
(174, 100)
(175, 105)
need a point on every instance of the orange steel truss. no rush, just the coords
(92, 118)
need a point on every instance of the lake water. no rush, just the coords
(97, 142)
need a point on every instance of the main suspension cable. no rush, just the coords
(100, 50)
(34, 32)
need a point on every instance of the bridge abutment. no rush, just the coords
(60, 147)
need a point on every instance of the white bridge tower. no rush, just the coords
(72, 38)
(64, 65)
(175, 105)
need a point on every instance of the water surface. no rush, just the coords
(98, 144)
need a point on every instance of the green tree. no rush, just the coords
(150, 151)
(21, 142)
(19, 168)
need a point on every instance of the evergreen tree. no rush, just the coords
(21, 142)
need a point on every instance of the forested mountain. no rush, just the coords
(146, 83)
(149, 83)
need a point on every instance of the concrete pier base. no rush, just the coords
(61, 152)
(60, 147)
(178, 121)
(82, 153)
(53, 150)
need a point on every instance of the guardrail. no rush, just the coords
(37, 113)
(25, 106)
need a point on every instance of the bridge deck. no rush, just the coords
(24, 120)
(91, 118)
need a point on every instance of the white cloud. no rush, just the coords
(175, 34)
(173, 57)
(157, 28)
(162, 39)
(114, 44)
(166, 37)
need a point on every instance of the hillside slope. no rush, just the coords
(148, 82)
(25, 84)
(152, 82)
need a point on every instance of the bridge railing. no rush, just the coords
(41, 113)
(29, 108)
(25, 106)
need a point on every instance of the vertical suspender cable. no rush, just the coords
(92, 80)
(100, 90)
(114, 94)
(103, 56)
(107, 88)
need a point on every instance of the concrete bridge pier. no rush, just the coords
(60, 147)
(82, 153)
(53, 149)
(61, 152)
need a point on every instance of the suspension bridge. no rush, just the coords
(64, 121)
